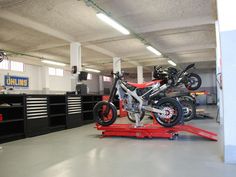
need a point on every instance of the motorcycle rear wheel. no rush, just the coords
(105, 113)
(172, 104)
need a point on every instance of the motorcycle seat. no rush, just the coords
(144, 85)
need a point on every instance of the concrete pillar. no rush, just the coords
(152, 75)
(116, 64)
(75, 60)
(101, 85)
(45, 80)
(227, 63)
(140, 74)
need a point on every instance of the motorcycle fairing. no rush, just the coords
(145, 84)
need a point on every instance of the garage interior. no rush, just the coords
(42, 40)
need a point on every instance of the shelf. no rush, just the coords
(9, 107)
(12, 135)
(11, 120)
(57, 104)
(57, 115)
(57, 127)
(88, 121)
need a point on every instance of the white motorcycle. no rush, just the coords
(138, 99)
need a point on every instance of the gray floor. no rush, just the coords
(80, 152)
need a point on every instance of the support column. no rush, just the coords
(116, 64)
(45, 80)
(75, 60)
(152, 75)
(227, 13)
(140, 74)
(101, 85)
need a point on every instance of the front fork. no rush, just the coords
(111, 96)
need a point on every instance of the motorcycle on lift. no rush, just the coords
(191, 81)
(138, 99)
(171, 75)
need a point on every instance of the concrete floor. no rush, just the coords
(80, 152)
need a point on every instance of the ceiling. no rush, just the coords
(183, 30)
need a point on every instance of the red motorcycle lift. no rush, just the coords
(153, 131)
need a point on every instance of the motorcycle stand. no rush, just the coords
(153, 131)
(137, 121)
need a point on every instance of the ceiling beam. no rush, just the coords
(101, 50)
(105, 40)
(35, 25)
(45, 46)
(190, 48)
(197, 60)
(168, 25)
(7, 46)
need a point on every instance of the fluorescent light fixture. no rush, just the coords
(112, 23)
(171, 62)
(92, 70)
(53, 63)
(153, 50)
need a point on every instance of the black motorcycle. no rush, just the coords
(192, 81)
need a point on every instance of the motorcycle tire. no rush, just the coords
(197, 78)
(172, 104)
(105, 113)
(131, 117)
(191, 108)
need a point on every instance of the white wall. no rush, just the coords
(228, 39)
(34, 73)
(57, 83)
(208, 78)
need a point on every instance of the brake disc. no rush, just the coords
(168, 113)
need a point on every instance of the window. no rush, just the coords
(4, 64)
(51, 71)
(17, 66)
(55, 71)
(106, 79)
(90, 76)
(59, 72)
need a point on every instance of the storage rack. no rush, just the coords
(88, 102)
(12, 122)
(32, 115)
(57, 112)
(74, 111)
(36, 108)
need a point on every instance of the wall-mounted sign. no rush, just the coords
(16, 81)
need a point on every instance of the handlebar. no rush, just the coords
(118, 75)
(187, 68)
(157, 67)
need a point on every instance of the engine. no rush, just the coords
(130, 104)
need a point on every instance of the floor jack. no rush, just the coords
(153, 130)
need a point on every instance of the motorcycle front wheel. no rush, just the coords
(194, 82)
(105, 113)
(173, 112)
